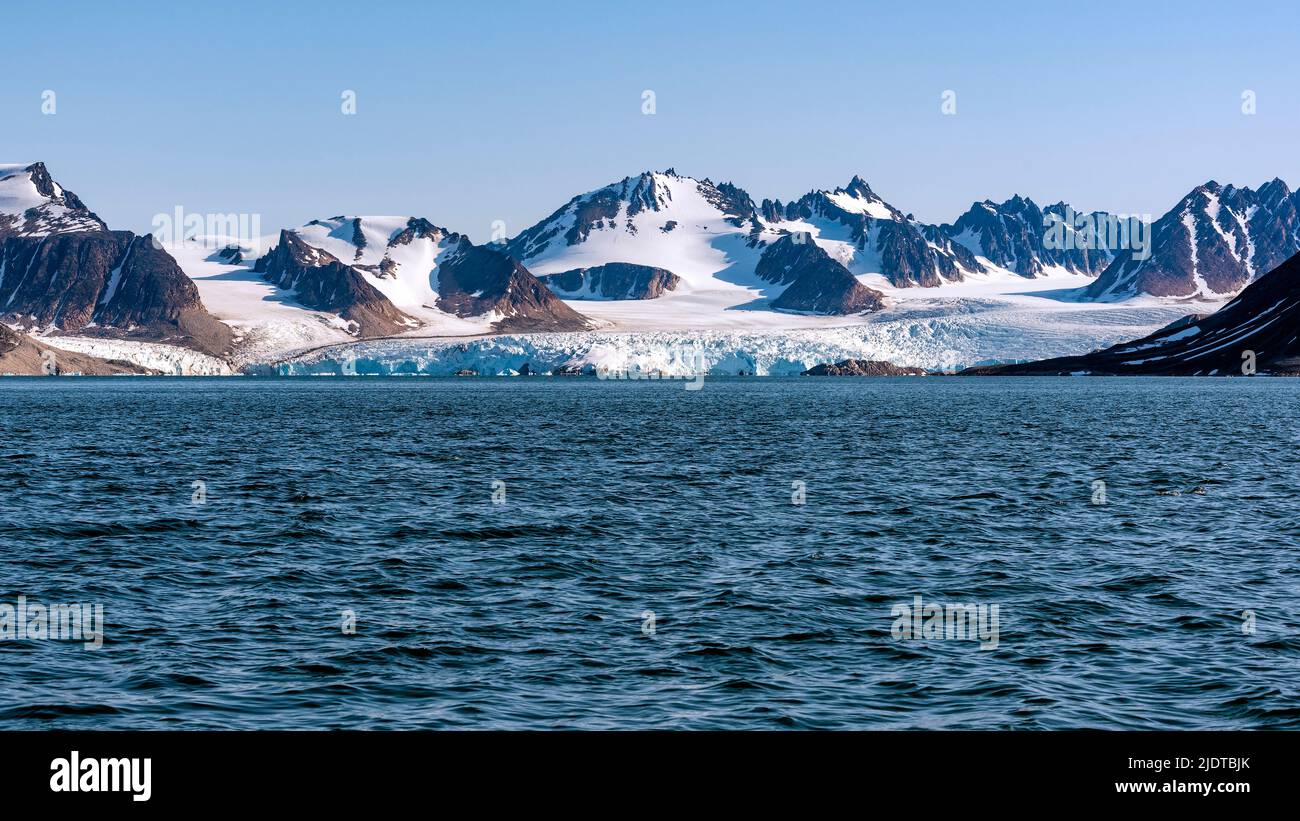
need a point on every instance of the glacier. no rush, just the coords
(934, 337)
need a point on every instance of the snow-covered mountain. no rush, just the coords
(320, 281)
(63, 271)
(656, 254)
(1012, 235)
(710, 238)
(706, 234)
(32, 204)
(388, 275)
(867, 235)
(1214, 242)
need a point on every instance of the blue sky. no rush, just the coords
(471, 113)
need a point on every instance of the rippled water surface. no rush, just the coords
(376, 496)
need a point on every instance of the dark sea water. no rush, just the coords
(376, 496)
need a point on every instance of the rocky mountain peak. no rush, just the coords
(858, 187)
(1214, 242)
(815, 283)
(1013, 235)
(32, 204)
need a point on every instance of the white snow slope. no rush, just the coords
(266, 320)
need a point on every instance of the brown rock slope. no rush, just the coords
(321, 282)
(21, 355)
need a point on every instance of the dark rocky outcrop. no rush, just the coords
(104, 283)
(863, 367)
(321, 282)
(479, 279)
(1183, 322)
(614, 280)
(1261, 326)
(814, 282)
(230, 255)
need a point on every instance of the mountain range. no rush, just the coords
(658, 239)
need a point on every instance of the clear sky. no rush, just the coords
(473, 112)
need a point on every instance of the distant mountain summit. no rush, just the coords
(32, 204)
(1015, 235)
(693, 228)
(321, 281)
(1214, 242)
(867, 235)
(661, 234)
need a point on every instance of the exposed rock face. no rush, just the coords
(814, 282)
(230, 255)
(321, 282)
(1183, 322)
(21, 355)
(791, 256)
(1214, 242)
(614, 280)
(478, 279)
(883, 239)
(1011, 235)
(1262, 325)
(863, 367)
(834, 292)
(104, 283)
